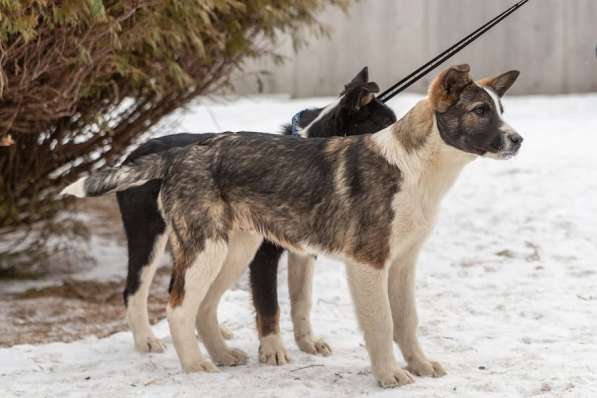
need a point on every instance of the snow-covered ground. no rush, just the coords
(507, 286)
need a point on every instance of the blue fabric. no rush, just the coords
(295, 127)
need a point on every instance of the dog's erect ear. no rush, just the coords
(502, 83)
(358, 96)
(371, 87)
(361, 78)
(359, 92)
(367, 93)
(445, 90)
(456, 78)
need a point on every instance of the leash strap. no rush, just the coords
(416, 75)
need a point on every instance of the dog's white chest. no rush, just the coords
(413, 221)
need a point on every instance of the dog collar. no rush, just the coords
(295, 127)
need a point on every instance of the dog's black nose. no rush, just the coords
(516, 138)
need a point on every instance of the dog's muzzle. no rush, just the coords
(507, 145)
(512, 144)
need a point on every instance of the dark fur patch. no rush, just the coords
(373, 183)
(177, 288)
(143, 224)
(472, 124)
(296, 207)
(267, 325)
(264, 285)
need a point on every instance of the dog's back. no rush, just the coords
(299, 193)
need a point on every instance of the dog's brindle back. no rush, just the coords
(356, 112)
(316, 204)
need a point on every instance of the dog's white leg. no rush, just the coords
(185, 301)
(136, 309)
(369, 287)
(300, 284)
(227, 334)
(401, 285)
(241, 249)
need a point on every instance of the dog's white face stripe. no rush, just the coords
(496, 100)
(305, 132)
(504, 126)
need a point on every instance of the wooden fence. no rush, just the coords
(552, 42)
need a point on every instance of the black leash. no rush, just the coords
(412, 78)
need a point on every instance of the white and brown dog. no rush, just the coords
(369, 200)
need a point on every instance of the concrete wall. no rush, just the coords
(552, 42)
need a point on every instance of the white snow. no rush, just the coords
(506, 288)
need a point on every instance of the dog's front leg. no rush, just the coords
(401, 286)
(300, 283)
(369, 287)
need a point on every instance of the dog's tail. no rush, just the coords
(129, 175)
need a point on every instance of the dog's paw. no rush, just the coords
(204, 365)
(426, 368)
(226, 333)
(314, 347)
(201, 366)
(393, 377)
(272, 351)
(231, 357)
(149, 344)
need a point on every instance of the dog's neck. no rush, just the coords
(427, 164)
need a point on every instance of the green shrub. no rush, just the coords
(80, 79)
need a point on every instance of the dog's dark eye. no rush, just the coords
(481, 110)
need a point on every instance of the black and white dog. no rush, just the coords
(370, 200)
(356, 111)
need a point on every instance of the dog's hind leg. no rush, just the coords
(136, 310)
(300, 284)
(369, 288)
(146, 238)
(264, 287)
(194, 272)
(241, 249)
(401, 286)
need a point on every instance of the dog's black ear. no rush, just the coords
(361, 78)
(368, 93)
(358, 96)
(371, 87)
(501, 83)
(445, 90)
(359, 92)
